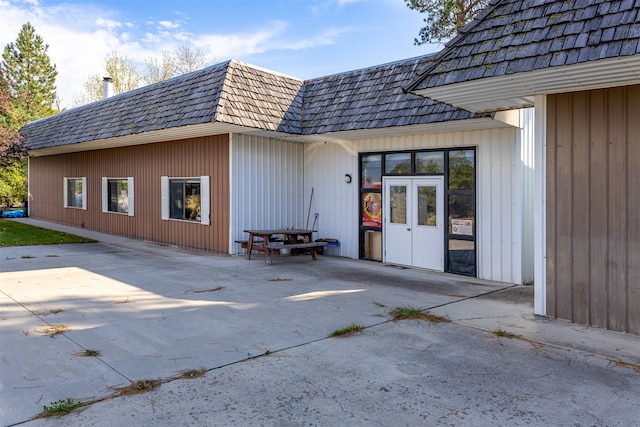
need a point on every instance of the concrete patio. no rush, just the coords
(259, 333)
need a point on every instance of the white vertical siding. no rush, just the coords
(335, 201)
(527, 145)
(499, 192)
(499, 207)
(540, 206)
(267, 185)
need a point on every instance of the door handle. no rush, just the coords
(408, 229)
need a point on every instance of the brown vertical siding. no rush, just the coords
(208, 156)
(593, 208)
(633, 209)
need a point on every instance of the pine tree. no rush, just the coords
(30, 75)
(445, 18)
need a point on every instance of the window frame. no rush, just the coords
(205, 198)
(65, 191)
(130, 195)
(365, 189)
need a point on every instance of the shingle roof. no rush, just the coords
(200, 97)
(241, 94)
(514, 36)
(372, 98)
(260, 99)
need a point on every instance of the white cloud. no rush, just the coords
(169, 24)
(108, 23)
(80, 36)
(241, 44)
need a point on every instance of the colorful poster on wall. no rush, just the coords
(372, 210)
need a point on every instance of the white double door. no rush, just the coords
(414, 222)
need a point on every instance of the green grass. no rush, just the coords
(61, 407)
(349, 330)
(504, 334)
(13, 233)
(403, 313)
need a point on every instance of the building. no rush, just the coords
(578, 63)
(395, 177)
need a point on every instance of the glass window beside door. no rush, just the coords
(461, 208)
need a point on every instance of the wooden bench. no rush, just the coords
(243, 243)
(312, 246)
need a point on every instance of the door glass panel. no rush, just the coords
(430, 162)
(372, 209)
(461, 170)
(398, 204)
(462, 257)
(427, 204)
(397, 163)
(373, 245)
(461, 215)
(371, 170)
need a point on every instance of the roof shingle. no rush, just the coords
(513, 36)
(236, 93)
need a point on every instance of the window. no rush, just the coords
(74, 193)
(117, 195)
(397, 163)
(186, 199)
(461, 208)
(427, 205)
(462, 170)
(398, 205)
(458, 168)
(371, 170)
(430, 162)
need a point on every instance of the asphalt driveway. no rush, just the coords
(258, 334)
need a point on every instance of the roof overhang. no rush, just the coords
(431, 128)
(208, 129)
(518, 90)
(164, 135)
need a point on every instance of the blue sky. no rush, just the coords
(300, 38)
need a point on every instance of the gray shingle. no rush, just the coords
(237, 93)
(574, 31)
(371, 98)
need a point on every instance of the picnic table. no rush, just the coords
(264, 241)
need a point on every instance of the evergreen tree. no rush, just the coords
(445, 18)
(30, 75)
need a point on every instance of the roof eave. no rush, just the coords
(163, 135)
(209, 129)
(518, 90)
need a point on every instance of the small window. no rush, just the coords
(427, 205)
(462, 170)
(117, 195)
(185, 199)
(371, 169)
(430, 162)
(74, 193)
(397, 163)
(398, 205)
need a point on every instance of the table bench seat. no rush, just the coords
(301, 245)
(288, 239)
(244, 243)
